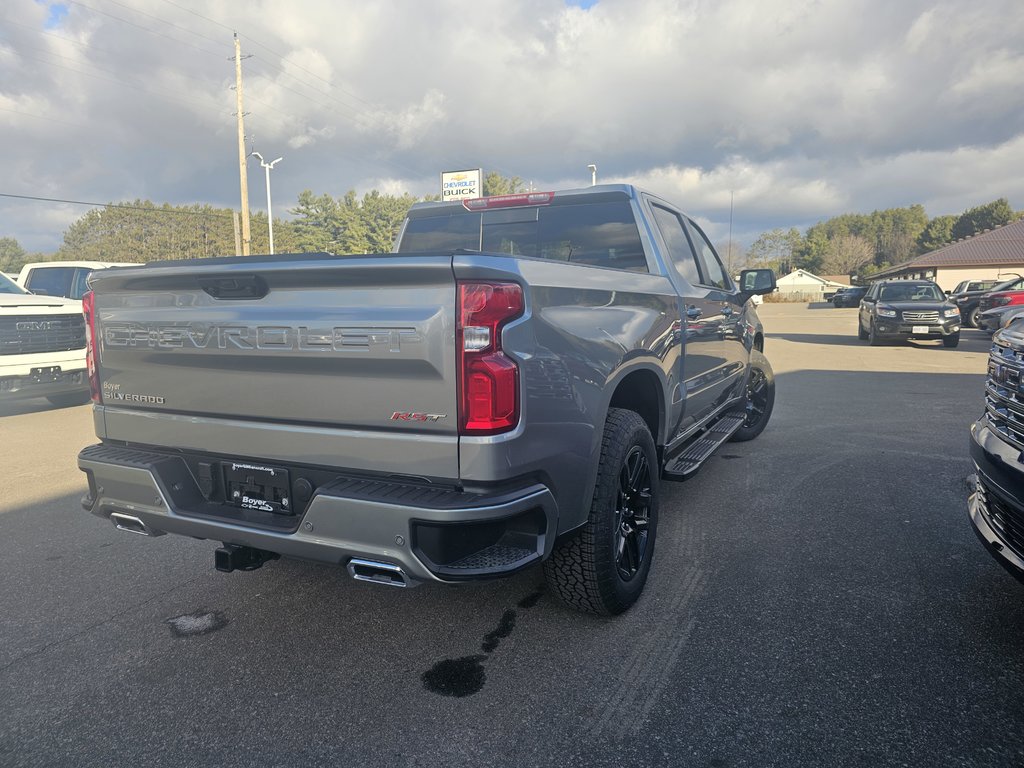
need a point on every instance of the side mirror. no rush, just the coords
(757, 281)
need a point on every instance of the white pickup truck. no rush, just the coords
(42, 347)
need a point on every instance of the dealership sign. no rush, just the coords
(462, 185)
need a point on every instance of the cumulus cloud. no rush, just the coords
(797, 109)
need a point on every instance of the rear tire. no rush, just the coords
(952, 340)
(604, 567)
(760, 398)
(69, 399)
(972, 317)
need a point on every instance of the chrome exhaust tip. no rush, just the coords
(131, 524)
(378, 573)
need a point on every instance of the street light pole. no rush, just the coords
(593, 174)
(270, 211)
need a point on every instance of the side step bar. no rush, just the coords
(696, 453)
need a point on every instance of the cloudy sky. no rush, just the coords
(800, 109)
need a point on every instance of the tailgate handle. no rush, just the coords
(240, 287)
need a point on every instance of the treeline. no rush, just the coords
(142, 231)
(862, 244)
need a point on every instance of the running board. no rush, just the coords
(690, 460)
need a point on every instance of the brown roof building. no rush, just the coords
(989, 255)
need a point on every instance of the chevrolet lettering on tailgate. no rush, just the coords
(260, 337)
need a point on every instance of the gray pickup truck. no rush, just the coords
(510, 386)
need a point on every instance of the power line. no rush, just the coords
(48, 119)
(118, 205)
(363, 121)
(165, 95)
(144, 29)
(266, 48)
(359, 117)
(164, 21)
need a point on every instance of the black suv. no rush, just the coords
(997, 439)
(908, 309)
(849, 297)
(967, 295)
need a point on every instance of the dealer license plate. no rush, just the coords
(257, 487)
(920, 329)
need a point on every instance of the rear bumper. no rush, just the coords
(996, 508)
(432, 533)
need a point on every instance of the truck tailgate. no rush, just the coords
(248, 350)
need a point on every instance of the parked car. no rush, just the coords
(908, 309)
(42, 347)
(973, 286)
(849, 297)
(968, 294)
(996, 508)
(60, 278)
(999, 317)
(992, 305)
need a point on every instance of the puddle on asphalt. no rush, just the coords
(466, 675)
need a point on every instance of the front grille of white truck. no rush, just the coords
(35, 334)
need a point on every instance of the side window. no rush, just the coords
(54, 281)
(80, 286)
(710, 265)
(680, 254)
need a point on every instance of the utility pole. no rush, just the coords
(243, 179)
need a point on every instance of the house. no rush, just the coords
(990, 255)
(801, 285)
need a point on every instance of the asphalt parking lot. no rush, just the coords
(817, 598)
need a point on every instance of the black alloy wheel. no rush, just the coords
(632, 514)
(602, 569)
(757, 398)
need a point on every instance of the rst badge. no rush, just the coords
(414, 416)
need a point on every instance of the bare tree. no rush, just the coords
(845, 254)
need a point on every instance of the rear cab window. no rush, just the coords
(52, 281)
(598, 234)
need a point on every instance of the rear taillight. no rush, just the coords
(488, 378)
(91, 345)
